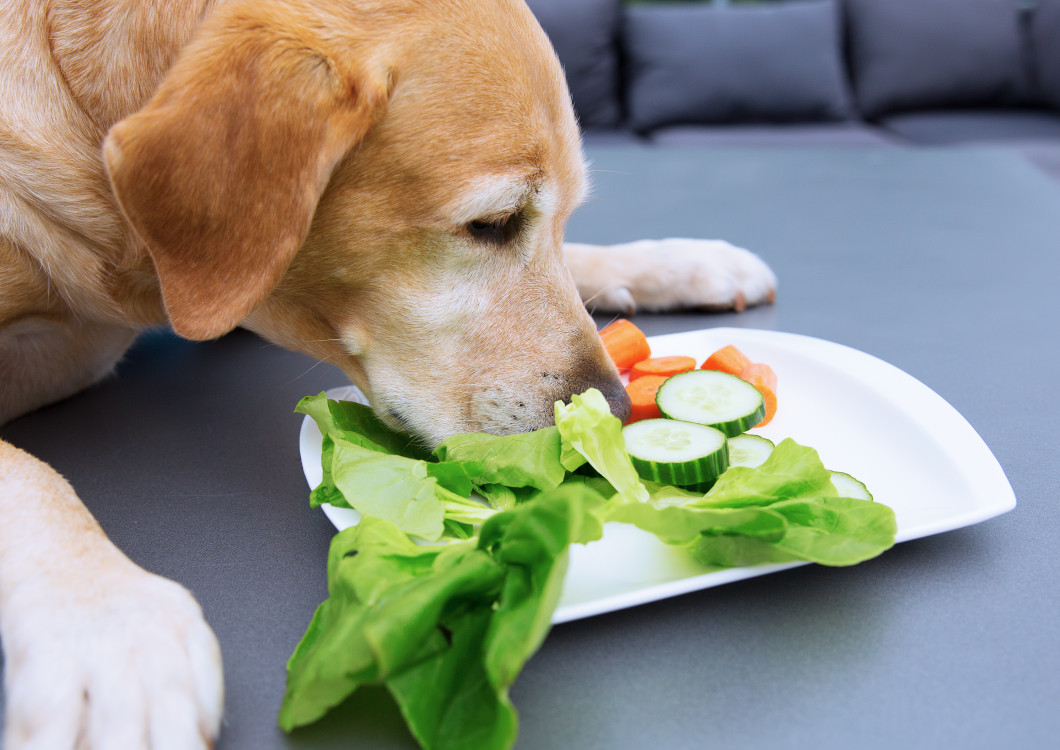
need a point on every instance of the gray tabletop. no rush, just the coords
(943, 263)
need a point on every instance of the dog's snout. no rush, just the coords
(609, 384)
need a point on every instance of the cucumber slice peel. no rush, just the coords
(848, 486)
(749, 450)
(678, 453)
(713, 398)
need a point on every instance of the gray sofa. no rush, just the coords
(838, 73)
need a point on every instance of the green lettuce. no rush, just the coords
(385, 474)
(445, 628)
(529, 459)
(357, 423)
(354, 423)
(821, 527)
(683, 524)
(791, 471)
(824, 530)
(784, 510)
(394, 488)
(590, 432)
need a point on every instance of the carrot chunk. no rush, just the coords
(665, 366)
(625, 343)
(764, 379)
(642, 396)
(727, 359)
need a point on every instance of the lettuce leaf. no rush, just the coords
(784, 510)
(683, 524)
(445, 628)
(821, 527)
(326, 491)
(491, 644)
(529, 459)
(358, 424)
(383, 473)
(355, 423)
(590, 431)
(532, 543)
(390, 487)
(387, 598)
(791, 471)
(824, 530)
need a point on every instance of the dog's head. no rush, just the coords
(383, 185)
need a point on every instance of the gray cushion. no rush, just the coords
(1045, 156)
(915, 54)
(611, 137)
(801, 134)
(775, 62)
(585, 36)
(997, 126)
(1045, 41)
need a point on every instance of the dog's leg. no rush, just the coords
(671, 274)
(47, 352)
(98, 652)
(44, 359)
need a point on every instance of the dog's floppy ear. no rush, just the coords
(220, 173)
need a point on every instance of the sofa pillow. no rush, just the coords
(1045, 40)
(585, 36)
(999, 126)
(847, 133)
(922, 54)
(774, 62)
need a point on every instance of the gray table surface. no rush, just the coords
(943, 263)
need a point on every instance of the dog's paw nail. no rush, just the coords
(739, 302)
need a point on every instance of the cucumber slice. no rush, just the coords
(749, 450)
(713, 398)
(847, 486)
(673, 452)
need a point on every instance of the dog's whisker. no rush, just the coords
(308, 370)
(605, 290)
(270, 345)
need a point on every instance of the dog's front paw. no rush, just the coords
(670, 274)
(117, 659)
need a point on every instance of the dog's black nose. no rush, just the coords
(593, 375)
(617, 399)
(613, 391)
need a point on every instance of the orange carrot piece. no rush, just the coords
(665, 366)
(642, 396)
(764, 379)
(625, 343)
(727, 359)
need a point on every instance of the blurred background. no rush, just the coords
(842, 73)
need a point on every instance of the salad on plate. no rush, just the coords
(448, 582)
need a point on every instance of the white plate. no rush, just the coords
(913, 450)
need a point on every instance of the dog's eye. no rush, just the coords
(497, 231)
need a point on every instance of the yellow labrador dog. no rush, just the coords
(379, 183)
